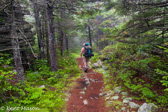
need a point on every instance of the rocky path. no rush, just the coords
(86, 96)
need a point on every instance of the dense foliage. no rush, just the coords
(137, 71)
(41, 88)
(137, 55)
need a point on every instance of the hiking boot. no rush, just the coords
(85, 69)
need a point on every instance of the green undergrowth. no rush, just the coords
(75, 55)
(41, 90)
(138, 71)
(94, 58)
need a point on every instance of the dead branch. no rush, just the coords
(4, 7)
(27, 42)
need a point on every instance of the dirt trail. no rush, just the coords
(85, 96)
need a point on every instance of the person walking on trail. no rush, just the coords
(86, 51)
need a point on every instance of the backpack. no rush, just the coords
(88, 50)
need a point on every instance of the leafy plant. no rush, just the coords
(5, 59)
(126, 65)
(164, 80)
(41, 65)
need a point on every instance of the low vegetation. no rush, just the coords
(41, 88)
(138, 71)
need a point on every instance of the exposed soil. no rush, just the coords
(85, 97)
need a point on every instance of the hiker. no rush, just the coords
(86, 51)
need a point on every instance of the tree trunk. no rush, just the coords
(61, 36)
(38, 28)
(66, 42)
(90, 39)
(51, 34)
(45, 36)
(47, 44)
(28, 57)
(15, 46)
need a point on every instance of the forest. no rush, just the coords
(42, 68)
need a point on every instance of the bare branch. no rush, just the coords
(27, 42)
(4, 7)
(153, 3)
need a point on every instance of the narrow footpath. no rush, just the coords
(85, 97)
